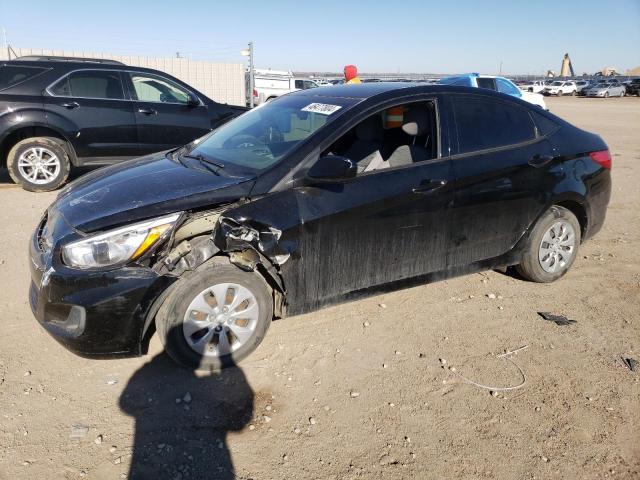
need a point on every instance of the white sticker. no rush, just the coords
(322, 108)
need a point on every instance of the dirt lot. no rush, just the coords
(357, 390)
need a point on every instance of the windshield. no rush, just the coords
(261, 137)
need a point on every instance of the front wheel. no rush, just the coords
(39, 164)
(215, 317)
(552, 246)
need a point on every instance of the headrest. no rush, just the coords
(416, 121)
(370, 130)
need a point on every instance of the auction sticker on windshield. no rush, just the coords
(322, 108)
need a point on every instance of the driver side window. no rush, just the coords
(152, 88)
(392, 137)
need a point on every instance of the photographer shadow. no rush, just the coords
(182, 420)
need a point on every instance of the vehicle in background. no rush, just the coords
(607, 89)
(336, 81)
(581, 85)
(271, 84)
(633, 88)
(320, 82)
(535, 87)
(560, 87)
(60, 112)
(498, 84)
(311, 200)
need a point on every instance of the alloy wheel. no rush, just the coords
(39, 165)
(221, 319)
(557, 247)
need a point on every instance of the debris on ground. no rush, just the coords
(79, 431)
(631, 363)
(560, 320)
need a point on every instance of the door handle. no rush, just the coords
(148, 111)
(429, 186)
(70, 105)
(540, 160)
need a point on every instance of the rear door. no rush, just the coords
(91, 106)
(167, 114)
(504, 176)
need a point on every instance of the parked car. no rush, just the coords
(319, 197)
(581, 85)
(59, 112)
(535, 87)
(560, 88)
(498, 84)
(633, 88)
(607, 89)
(271, 84)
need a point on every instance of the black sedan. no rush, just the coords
(319, 197)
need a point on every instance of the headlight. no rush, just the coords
(117, 246)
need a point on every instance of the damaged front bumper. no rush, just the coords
(92, 313)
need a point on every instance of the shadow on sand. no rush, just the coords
(185, 438)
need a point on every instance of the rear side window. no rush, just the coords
(489, 83)
(507, 87)
(90, 84)
(11, 75)
(545, 125)
(485, 123)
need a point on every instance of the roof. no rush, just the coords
(363, 90)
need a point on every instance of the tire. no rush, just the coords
(39, 164)
(606, 94)
(622, 93)
(573, 93)
(536, 265)
(180, 321)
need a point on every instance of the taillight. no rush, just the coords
(602, 158)
(255, 92)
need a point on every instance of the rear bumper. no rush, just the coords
(599, 195)
(93, 314)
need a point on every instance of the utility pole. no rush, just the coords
(251, 85)
(500, 68)
(248, 52)
(5, 45)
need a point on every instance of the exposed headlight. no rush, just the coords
(117, 246)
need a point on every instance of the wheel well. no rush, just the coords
(29, 132)
(579, 211)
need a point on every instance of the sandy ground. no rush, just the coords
(357, 390)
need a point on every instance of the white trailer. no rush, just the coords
(270, 84)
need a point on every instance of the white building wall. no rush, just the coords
(222, 82)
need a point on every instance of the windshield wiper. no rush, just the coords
(204, 159)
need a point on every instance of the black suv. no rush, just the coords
(56, 112)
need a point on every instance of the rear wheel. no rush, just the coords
(606, 94)
(39, 164)
(552, 246)
(215, 317)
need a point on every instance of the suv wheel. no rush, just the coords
(39, 164)
(215, 317)
(552, 246)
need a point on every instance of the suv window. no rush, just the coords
(90, 84)
(484, 123)
(153, 88)
(489, 83)
(507, 87)
(11, 75)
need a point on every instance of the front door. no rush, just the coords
(167, 114)
(90, 105)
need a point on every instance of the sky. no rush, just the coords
(417, 36)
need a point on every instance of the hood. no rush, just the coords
(144, 188)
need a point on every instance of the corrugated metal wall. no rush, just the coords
(222, 82)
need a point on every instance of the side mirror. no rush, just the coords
(332, 167)
(193, 101)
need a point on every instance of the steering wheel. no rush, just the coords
(246, 141)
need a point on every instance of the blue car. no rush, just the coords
(498, 84)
